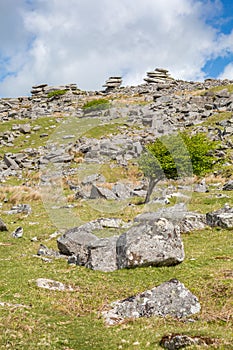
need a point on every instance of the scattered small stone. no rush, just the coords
(228, 186)
(18, 233)
(52, 285)
(5, 304)
(45, 251)
(25, 128)
(20, 208)
(3, 226)
(178, 341)
(201, 187)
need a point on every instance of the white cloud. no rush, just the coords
(228, 72)
(85, 41)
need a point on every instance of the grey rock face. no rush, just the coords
(113, 83)
(75, 241)
(159, 75)
(11, 163)
(201, 187)
(102, 254)
(222, 217)
(191, 222)
(157, 244)
(228, 186)
(101, 192)
(170, 298)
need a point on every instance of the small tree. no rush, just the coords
(176, 156)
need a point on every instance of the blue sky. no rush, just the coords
(86, 41)
(222, 21)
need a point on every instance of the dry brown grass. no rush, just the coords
(17, 194)
(214, 179)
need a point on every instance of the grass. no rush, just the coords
(47, 126)
(105, 129)
(71, 320)
(56, 93)
(96, 104)
(228, 87)
(215, 118)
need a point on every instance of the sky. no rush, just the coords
(86, 41)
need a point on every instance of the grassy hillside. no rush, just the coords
(32, 318)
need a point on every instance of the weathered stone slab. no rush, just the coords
(178, 215)
(74, 242)
(11, 163)
(101, 192)
(171, 298)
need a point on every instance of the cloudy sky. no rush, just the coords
(86, 41)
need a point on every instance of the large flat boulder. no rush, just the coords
(187, 221)
(171, 298)
(150, 244)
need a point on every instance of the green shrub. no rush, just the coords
(56, 93)
(177, 156)
(94, 105)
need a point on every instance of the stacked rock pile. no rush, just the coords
(159, 75)
(113, 83)
(45, 89)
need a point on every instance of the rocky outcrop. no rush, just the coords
(159, 75)
(221, 218)
(112, 83)
(157, 244)
(168, 299)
